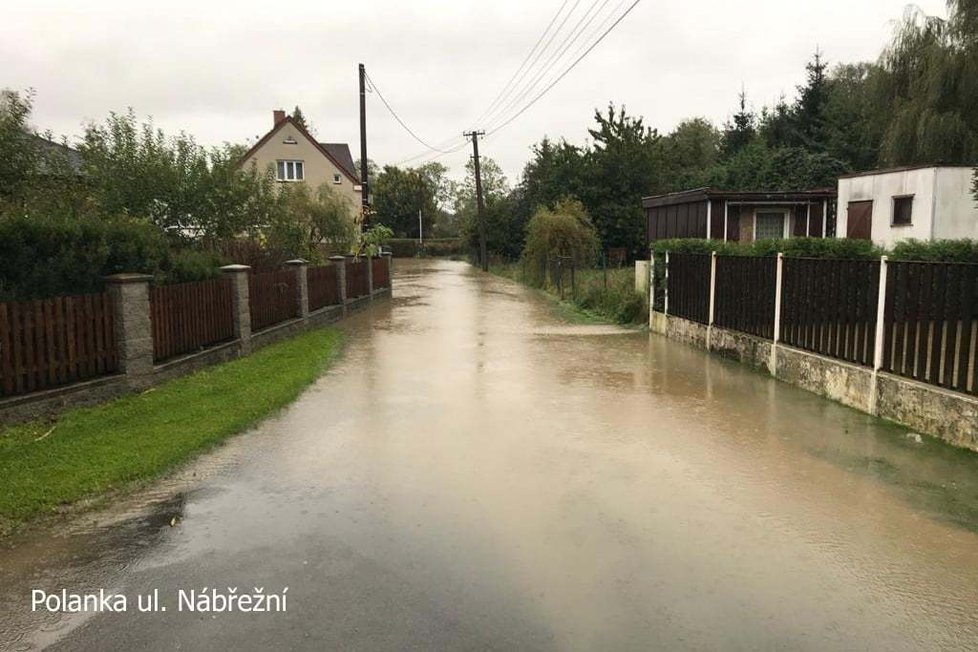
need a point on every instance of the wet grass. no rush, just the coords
(92, 451)
(596, 296)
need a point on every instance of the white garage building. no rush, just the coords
(923, 202)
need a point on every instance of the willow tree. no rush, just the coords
(931, 84)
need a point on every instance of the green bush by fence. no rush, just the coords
(948, 251)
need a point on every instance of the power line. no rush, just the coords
(507, 87)
(569, 68)
(555, 58)
(408, 129)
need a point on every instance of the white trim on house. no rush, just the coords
(785, 219)
(289, 170)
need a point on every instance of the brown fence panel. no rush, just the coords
(689, 286)
(52, 342)
(323, 287)
(930, 323)
(272, 298)
(829, 307)
(357, 283)
(746, 289)
(188, 317)
(381, 279)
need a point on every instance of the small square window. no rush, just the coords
(337, 179)
(903, 211)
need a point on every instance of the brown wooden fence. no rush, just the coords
(381, 278)
(51, 342)
(930, 322)
(272, 298)
(829, 307)
(323, 287)
(190, 316)
(357, 283)
(746, 287)
(689, 286)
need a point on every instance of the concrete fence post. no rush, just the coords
(389, 261)
(133, 327)
(713, 286)
(370, 276)
(878, 343)
(665, 296)
(651, 286)
(340, 262)
(240, 304)
(778, 278)
(300, 267)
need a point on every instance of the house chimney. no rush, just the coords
(278, 115)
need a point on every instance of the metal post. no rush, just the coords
(651, 285)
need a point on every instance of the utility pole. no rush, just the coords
(364, 180)
(483, 258)
(420, 229)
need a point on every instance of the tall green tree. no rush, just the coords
(740, 130)
(399, 194)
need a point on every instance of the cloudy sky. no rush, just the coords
(217, 69)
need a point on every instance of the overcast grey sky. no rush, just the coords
(217, 69)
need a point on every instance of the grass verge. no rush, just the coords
(91, 451)
(596, 296)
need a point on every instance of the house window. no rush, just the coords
(769, 226)
(903, 211)
(289, 171)
(337, 179)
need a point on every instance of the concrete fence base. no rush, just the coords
(137, 371)
(932, 410)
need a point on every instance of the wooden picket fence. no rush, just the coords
(689, 286)
(188, 317)
(381, 277)
(357, 282)
(745, 294)
(51, 342)
(272, 298)
(323, 287)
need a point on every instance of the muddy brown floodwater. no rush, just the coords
(476, 473)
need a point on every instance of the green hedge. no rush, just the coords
(796, 247)
(50, 256)
(952, 251)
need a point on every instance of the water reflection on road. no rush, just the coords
(475, 473)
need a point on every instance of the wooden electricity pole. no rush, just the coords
(483, 258)
(364, 180)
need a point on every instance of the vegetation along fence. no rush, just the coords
(323, 287)
(929, 311)
(188, 317)
(930, 322)
(51, 342)
(688, 285)
(357, 281)
(746, 288)
(272, 298)
(381, 277)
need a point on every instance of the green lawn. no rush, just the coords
(94, 450)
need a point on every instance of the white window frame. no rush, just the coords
(337, 178)
(785, 218)
(289, 170)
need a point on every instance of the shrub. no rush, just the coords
(565, 231)
(795, 247)
(954, 251)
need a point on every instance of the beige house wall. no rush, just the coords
(317, 168)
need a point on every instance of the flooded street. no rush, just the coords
(476, 473)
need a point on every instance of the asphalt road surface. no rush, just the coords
(475, 473)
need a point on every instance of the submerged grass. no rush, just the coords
(91, 451)
(591, 298)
